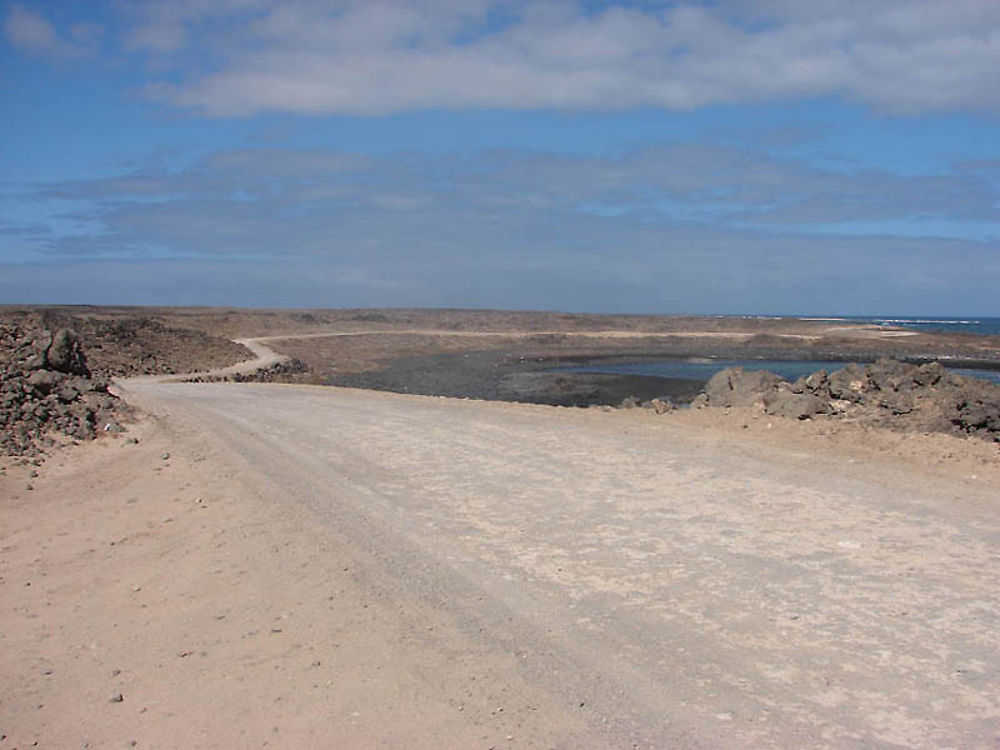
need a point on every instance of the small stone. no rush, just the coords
(165, 457)
(117, 698)
(131, 441)
(28, 487)
(33, 474)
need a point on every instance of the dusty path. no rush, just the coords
(648, 585)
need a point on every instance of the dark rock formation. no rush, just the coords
(46, 387)
(735, 386)
(785, 403)
(887, 393)
(65, 354)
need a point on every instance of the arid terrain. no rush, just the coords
(288, 565)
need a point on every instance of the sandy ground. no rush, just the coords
(173, 575)
(291, 566)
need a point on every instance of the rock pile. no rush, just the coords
(289, 371)
(279, 372)
(46, 386)
(887, 393)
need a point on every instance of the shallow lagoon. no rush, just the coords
(703, 369)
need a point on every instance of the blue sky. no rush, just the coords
(738, 156)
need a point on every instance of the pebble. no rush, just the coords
(165, 457)
(117, 698)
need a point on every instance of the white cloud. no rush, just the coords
(282, 203)
(31, 32)
(383, 56)
(684, 226)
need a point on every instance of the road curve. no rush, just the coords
(680, 592)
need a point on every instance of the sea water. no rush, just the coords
(978, 326)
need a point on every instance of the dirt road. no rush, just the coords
(644, 584)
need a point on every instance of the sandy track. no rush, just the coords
(643, 584)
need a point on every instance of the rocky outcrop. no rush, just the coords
(887, 393)
(46, 387)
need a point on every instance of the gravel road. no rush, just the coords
(668, 588)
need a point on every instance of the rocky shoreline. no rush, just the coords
(907, 396)
(887, 393)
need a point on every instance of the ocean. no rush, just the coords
(977, 326)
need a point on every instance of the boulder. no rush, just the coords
(786, 403)
(892, 375)
(45, 381)
(813, 383)
(929, 374)
(735, 386)
(65, 354)
(849, 384)
(977, 413)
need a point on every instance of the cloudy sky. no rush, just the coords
(736, 156)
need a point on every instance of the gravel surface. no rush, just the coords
(685, 588)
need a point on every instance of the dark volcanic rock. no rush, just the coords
(850, 383)
(785, 403)
(65, 354)
(45, 387)
(735, 386)
(887, 393)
